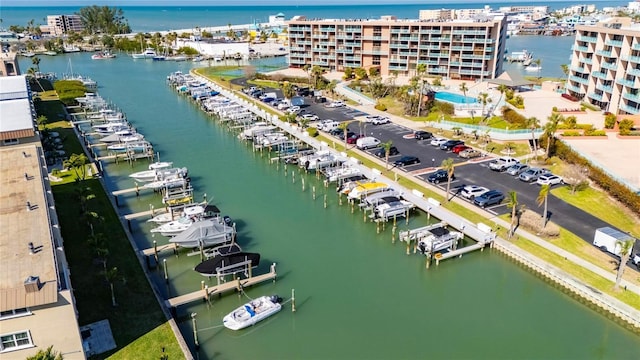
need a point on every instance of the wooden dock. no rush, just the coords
(126, 191)
(161, 248)
(205, 293)
(149, 213)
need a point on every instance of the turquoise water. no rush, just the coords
(359, 296)
(454, 98)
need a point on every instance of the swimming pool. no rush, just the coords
(454, 98)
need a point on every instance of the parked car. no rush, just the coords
(491, 197)
(341, 134)
(439, 176)
(354, 138)
(381, 120)
(249, 90)
(438, 141)
(268, 100)
(517, 169)
(293, 109)
(367, 142)
(549, 179)
(469, 153)
(421, 135)
(336, 131)
(335, 104)
(636, 260)
(503, 163)
(310, 117)
(532, 174)
(406, 160)
(471, 191)
(381, 153)
(370, 118)
(329, 126)
(283, 105)
(449, 144)
(459, 148)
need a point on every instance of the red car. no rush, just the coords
(354, 138)
(456, 149)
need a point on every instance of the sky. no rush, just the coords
(241, 2)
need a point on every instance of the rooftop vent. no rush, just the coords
(32, 284)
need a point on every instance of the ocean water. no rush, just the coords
(359, 296)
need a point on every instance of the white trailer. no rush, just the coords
(607, 239)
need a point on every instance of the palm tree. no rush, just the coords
(111, 275)
(533, 123)
(331, 87)
(344, 126)
(447, 165)
(565, 69)
(625, 252)
(538, 62)
(36, 61)
(502, 88)
(287, 90)
(317, 72)
(550, 129)
(484, 99)
(542, 198)
(387, 150)
(464, 89)
(421, 68)
(307, 69)
(514, 205)
(47, 354)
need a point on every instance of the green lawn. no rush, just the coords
(50, 107)
(138, 312)
(150, 346)
(600, 205)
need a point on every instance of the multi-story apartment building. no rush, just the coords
(605, 66)
(458, 49)
(37, 309)
(64, 24)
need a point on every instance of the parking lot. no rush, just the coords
(467, 172)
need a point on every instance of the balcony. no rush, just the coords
(635, 59)
(440, 54)
(617, 43)
(438, 70)
(320, 62)
(580, 80)
(630, 109)
(356, 29)
(474, 72)
(408, 53)
(604, 53)
(398, 46)
(476, 57)
(344, 51)
(428, 47)
(441, 38)
(352, 58)
(293, 60)
(427, 62)
(627, 83)
(604, 88)
(629, 96)
(401, 31)
(303, 42)
(591, 39)
(634, 72)
(320, 50)
(586, 60)
(579, 69)
(479, 40)
(430, 31)
(462, 48)
(328, 28)
(469, 32)
(398, 67)
(579, 48)
(374, 52)
(325, 43)
(635, 46)
(595, 96)
(396, 59)
(575, 89)
(610, 66)
(370, 37)
(599, 75)
(327, 57)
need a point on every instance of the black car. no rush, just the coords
(382, 153)
(337, 132)
(438, 176)
(450, 144)
(489, 198)
(406, 160)
(340, 135)
(421, 135)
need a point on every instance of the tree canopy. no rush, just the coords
(104, 19)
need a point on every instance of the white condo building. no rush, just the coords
(605, 66)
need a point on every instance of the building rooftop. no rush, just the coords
(13, 87)
(15, 115)
(26, 248)
(391, 19)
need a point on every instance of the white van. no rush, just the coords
(328, 125)
(367, 142)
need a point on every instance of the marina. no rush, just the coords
(283, 233)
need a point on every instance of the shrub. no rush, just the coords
(380, 106)
(572, 133)
(515, 120)
(594, 132)
(625, 126)
(313, 132)
(554, 109)
(444, 107)
(69, 90)
(437, 81)
(610, 121)
(532, 221)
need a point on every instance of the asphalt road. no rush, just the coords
(474, 172)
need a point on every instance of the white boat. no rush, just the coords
(364, 189)
(187, 211)
(432, 238)
(103, 55)
(340, 173)
(177, 58)
(159, 58)
(122, 136)
(205, 233)
(160, 165)
(533, 67)
(70, 49)
(111, 128)
(148, 53)
(252, 312)
(258, 128)
(389, 206)
(159, 174)
(129, 146)
(168, 183)
(173, 228)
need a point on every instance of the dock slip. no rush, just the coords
(148, 213)
(459, 252)
(154, 250)
(205, 293)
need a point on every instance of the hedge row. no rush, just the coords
(619, 191)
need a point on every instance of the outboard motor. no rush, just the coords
(227, 220)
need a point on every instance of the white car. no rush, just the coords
(381, 120)
(471, 191)
(371, 118)
(293, 109)
(335, 104)
(310, 117)
(283, 106)
(438, 141)
(549, 179)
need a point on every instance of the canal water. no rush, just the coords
(358, 296)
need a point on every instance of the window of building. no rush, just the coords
(376, 60)
(10, 141)
(14, 313)
(15, 341)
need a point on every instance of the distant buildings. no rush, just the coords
(62, 24)
(460, 49)
(605, 66)
(37, 309)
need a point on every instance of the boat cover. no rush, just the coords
(208, 267)
(202, 231)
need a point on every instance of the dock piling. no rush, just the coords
(155, 250)
(195, 330)
(293, 300)
(166, 271)
(325, 200)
